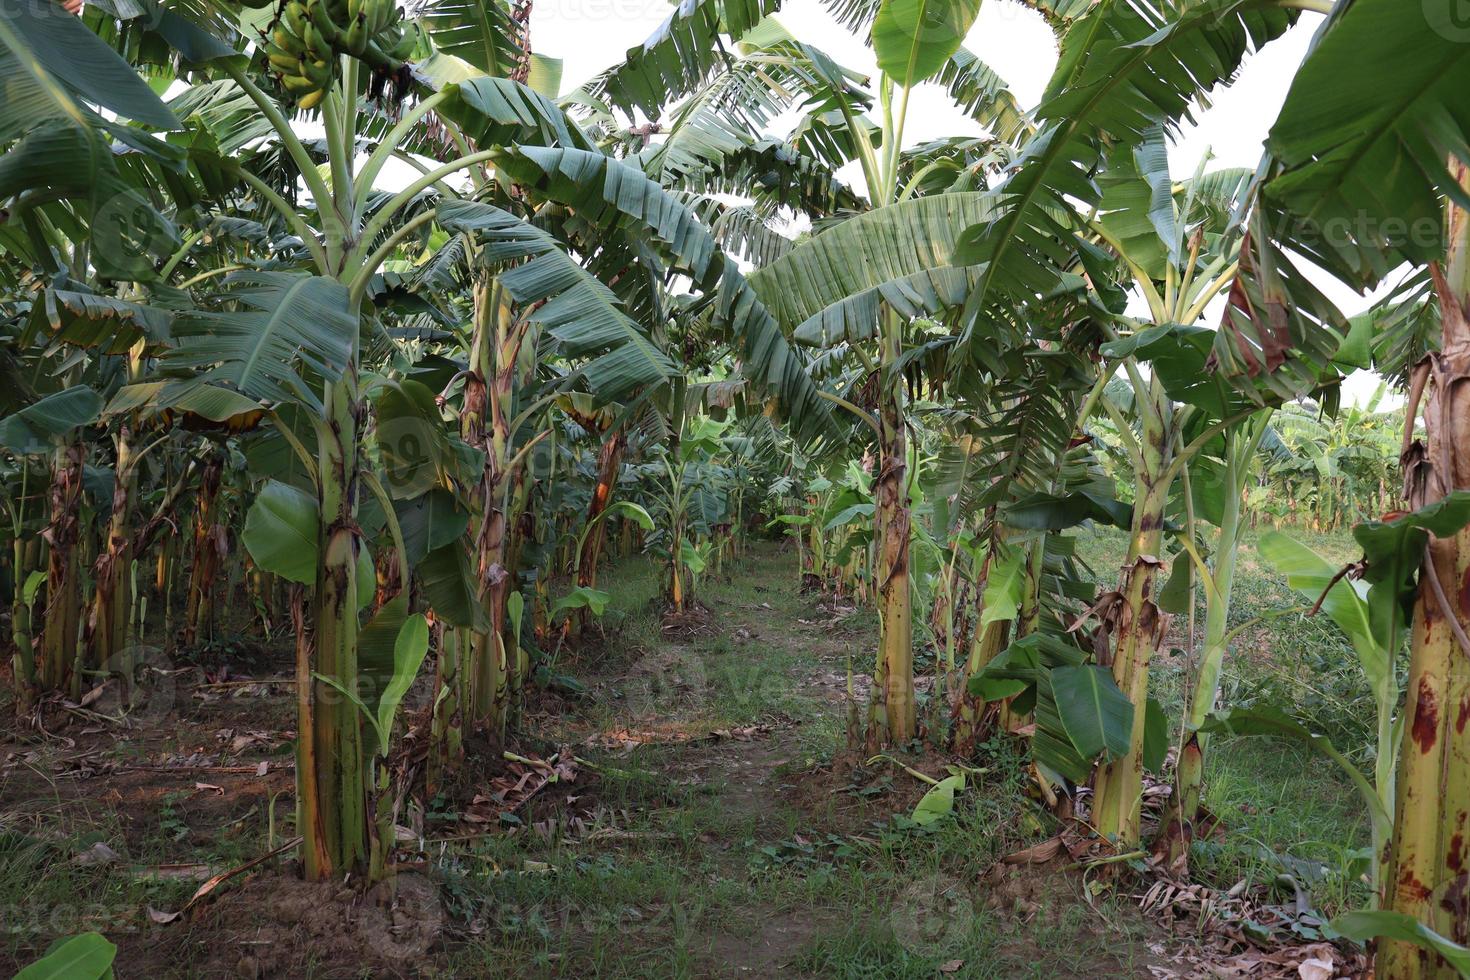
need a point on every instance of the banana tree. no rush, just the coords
(1215, 485)
(292, 337)
(66, 192)
(1331, 191)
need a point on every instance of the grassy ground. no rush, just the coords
(776, 855)
(719, 827)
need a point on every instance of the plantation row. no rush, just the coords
(363, 332)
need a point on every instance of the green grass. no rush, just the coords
(704, 880)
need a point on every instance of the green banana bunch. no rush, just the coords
(309, 35)
(301, 55)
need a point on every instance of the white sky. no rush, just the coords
(590, 35)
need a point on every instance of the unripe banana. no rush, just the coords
(298, 84)
(321, 19)
(311, 99)
(382, 16)
(282, 60)
(295, 18)
(319, 72)
(403, 49)
(286, 41)
(317, 47)
(357, 36)
(372, 53)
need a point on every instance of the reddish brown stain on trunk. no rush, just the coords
(1411, 887)
(1426, 718)
(1462, 716)
(1464, 593)
(1456, 856)
(1456, 902)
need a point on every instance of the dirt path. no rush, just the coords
(830, 884)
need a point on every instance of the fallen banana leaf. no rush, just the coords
(206, 889)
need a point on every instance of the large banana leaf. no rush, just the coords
(413, 440)
(1097, 716)
(481, 32)
(37, 427)
(775, 173)
(225, 111)
(733, 109)
(1138, 204)
(51, 64)
(896, 244)
(913, 39)
(53, 72)
(1023, 420)
(1346, 602)
(555, 290)
(200, 404)
(1369, 125)
(448, 585)
(855, 318)
(497, 111)
(984, 96)
(1393, 551)
(281, 531)
(1124, 69)
(104, 323)
(87, 956)
(280, 323)
(677, 57)
(1369, 924)
(429, 522)
(604, 191)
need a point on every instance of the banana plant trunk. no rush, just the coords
(986, 642)
(520, 526)
(208, 548)
(969, 713)
(491, 683)
(1138, 623)
(677, 595)
(458, 649)
(1028, 618)
(1179, 825)
(1180, 822)
(107, 624)
(26, 557)
(893, 719)
(1427, 870)
(63, 579)
(609, 458)
(333, 814)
